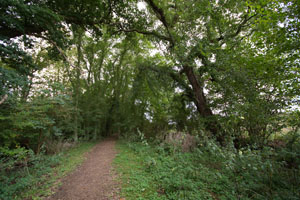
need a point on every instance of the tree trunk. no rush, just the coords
(95, 134)
(211, 124)
(77, 85)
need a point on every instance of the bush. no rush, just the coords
(21, 169)
(212, 172)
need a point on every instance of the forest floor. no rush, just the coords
(94, 178)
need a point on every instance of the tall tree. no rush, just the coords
(203, 39)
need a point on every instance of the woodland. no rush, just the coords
(224, 73)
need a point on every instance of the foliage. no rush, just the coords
(34, 123)
(21, 169)
(86, 69)
(26, 175)
(136, 182)
(223, 68)
(210, 172)
(232, 50)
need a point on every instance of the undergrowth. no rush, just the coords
(137, 183)
(25, 175)
(209, 172)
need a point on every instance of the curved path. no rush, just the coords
(94, 179)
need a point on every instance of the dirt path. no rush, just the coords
(94, 178)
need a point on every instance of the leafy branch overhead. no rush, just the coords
(228, 68)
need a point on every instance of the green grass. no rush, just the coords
(148, 172)
(41, 178)
(210, 172)
(137, 184)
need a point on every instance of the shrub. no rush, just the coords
(20, 169)
(214, 172)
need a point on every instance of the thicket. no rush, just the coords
(25, 175)
(22, 170)
(158, 170)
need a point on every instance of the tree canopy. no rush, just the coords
(228, 68)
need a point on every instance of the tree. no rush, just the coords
(156, 63)
(23, 21)
(208, 41)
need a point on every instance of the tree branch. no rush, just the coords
(176, 77)
(239, 28)
(57, 47)
(159, 12)
(151, 33)
(161, 16)
(14, 32)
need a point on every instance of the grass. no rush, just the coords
(210, 172)
(136, 182)
(41, 178)
(148, 174)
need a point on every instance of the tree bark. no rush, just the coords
(200, 99)
(211, 124)
(77, 85)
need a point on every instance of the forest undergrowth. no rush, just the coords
(161, 171)
(25, 175)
